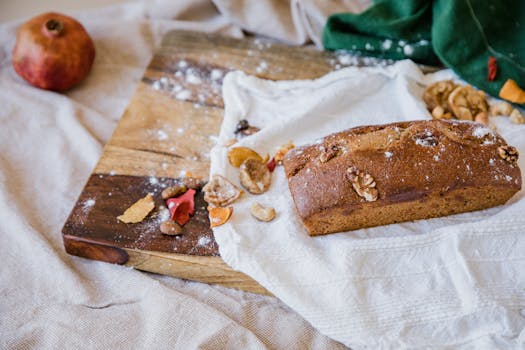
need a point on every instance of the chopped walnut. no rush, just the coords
(363, 184)
(508, 153)
(329, 153)
(220, 192)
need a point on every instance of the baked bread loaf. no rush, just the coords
(376, 175)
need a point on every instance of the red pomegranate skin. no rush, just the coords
(53, 52)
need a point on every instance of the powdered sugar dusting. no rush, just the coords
(482, 131)
(203, 241)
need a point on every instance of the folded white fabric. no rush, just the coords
(457, 281)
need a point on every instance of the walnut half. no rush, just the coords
(363, 184)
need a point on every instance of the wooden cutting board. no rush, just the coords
(164, 136)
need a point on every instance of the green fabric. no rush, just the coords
(462, 34)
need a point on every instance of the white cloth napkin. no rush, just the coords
(457, 281)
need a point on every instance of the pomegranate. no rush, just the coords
(53, 52)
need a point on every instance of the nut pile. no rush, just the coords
(180, 200)
(448, 100)
(255, 176)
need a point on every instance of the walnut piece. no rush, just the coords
(363, 184)
(220, 192)
(439, 113)
(500, 108)
(516, 117)
(466, 102)
(437, 94)
(255, 176)
(482, 118)
(328, 153)
(508, 153)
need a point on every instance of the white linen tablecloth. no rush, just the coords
(50, 142)
(454, 282)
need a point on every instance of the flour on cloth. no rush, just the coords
(453, 281)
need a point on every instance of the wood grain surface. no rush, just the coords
(164, 136)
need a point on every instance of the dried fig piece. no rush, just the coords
(437, 94)
(466, 102)
(255, 176)
(237, 155)
(220, 192)
(262, 213)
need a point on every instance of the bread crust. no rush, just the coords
(420, 169)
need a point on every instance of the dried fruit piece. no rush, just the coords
(262, 213)
(182, 207)
(138, 210)
(271, 165)
(500, 108)
(508, 153)
(170, 228)
(237, 155)
(173, 191)
(437, 94)
(243, 128)
(219, 215)
(220, 192)
(510, 91)
(363, 184)
(492, 68)
(242, 125)
(281, 152)
(255, 176)
(516, 117)
(467, 102)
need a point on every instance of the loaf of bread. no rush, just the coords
(376, 175)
